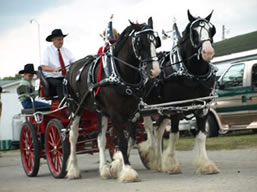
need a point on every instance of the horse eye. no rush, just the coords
(201, 24)
(151, 37)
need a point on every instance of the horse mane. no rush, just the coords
(125, 34)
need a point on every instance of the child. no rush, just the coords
(26, 90)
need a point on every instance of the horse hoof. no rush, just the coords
(174, 170)
(128, 175)
(73, 174)
(171, 169)
(105, 172)
(208, 169)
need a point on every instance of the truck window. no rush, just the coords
(234, 76)
(254, 77)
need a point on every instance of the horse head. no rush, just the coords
(142, 42)
(200, 32)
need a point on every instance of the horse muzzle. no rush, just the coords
(207, 51)
(155, 71)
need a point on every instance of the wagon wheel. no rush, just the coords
(29, 148)
(56, 149)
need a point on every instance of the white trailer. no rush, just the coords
(10, 121)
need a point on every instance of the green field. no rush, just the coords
(230, 141)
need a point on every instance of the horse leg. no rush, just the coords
(132, 126)
(158, 135)
(104, 169)
(201, 162)
(120, 167)
(147, 148)
(72, 168)
(169, 160)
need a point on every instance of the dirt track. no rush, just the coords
(238, 173)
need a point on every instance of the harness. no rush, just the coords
(112, 74)
(177, 68)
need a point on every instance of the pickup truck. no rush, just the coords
(236, 105)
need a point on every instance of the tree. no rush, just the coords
(16, 77)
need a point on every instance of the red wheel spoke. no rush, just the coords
(58, 142)
(50, 143)
(51, 137)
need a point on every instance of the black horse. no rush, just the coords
(186, 75)
(126, 67)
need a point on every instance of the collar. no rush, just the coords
(56, 49)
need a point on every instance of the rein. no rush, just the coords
(126, 63)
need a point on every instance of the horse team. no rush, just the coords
(137, 73)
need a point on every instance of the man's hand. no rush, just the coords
(57, 69)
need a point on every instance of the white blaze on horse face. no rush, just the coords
(207, 50)
(156, 68)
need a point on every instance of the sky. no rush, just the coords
(23, 41)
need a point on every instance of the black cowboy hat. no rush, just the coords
(55, 33)
(28, 68)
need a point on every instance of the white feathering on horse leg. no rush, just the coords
(72, 168)
(126, 173)
(169, 160)
(201, 162)
(147, 148)
(116, 164)
(104, 169)
(158, 134)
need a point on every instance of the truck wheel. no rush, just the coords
(212, 126)
(56, 149)
(29, 148)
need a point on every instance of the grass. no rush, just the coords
(230, 141)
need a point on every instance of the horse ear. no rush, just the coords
(150, 22)
(190, 17)
(131, 23)
(208, 18)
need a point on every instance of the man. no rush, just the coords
(26, 90)
(55, 58)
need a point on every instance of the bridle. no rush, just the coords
(198, 45)
(152, 37)
(175, 54)
(136, 36)
(202, 24)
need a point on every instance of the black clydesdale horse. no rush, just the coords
(132, 61)
(190, 75)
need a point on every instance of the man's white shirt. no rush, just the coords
(51, 59)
